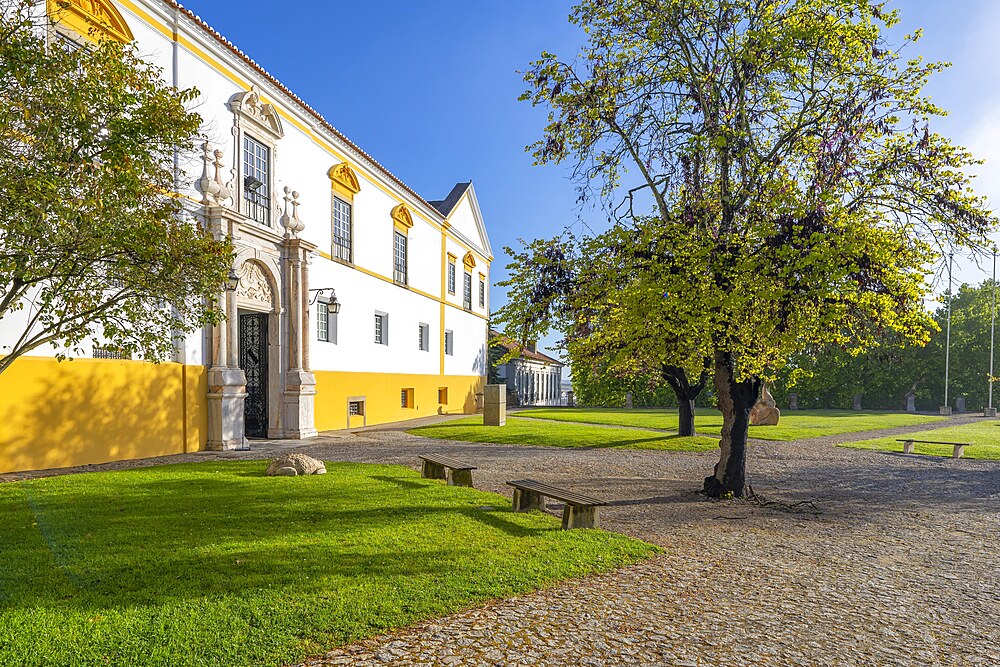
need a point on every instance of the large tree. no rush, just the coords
(778, 155)
(93, 242)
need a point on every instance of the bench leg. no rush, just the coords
(959, 450)
(433, 471)
(460, 478)
(575, 516)
(908, 447)
(525, 501)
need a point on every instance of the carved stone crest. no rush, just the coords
(254, 285)
(251, 106)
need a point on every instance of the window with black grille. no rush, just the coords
(257, 180)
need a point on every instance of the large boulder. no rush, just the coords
(765, 411)
(292, 465)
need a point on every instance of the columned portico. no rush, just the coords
(270, 387)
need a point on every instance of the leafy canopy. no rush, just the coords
(92, 243)
(779, 183)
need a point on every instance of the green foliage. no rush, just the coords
(539, 433)
(830, 376)
(91, 240)
(215, 564)
(984, 438)
(777, 180)
(601, 385)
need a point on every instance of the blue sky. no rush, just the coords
(430, 90)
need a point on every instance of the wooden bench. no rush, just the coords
(580, 511)
(442, 467)
(957, 454)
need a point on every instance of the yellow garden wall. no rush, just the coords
(383, 400)
(55, 414)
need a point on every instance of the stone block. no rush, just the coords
(793, 401)
(495, 405)
(990, 412)
(911, 403)
(945, 411)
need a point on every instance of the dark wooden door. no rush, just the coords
(253, 361)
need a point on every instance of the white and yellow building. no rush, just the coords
(314, 220)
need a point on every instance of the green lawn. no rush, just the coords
(561, 434)
(215, 564)
(984, 437)
(792, 425)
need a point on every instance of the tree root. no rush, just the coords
(800, 507)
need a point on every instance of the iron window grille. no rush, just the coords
(451, 277)
(341, 230)
(108, 352)
(482, 293)
(467, 291)
(356, 408)
(379, 324)
(399, 259)
(449, 343)
(256, 180)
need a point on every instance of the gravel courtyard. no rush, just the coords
(852, 557)
(898, 565)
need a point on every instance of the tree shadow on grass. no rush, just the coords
(138, 539)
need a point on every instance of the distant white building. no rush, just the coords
(532, 378)
(358, 302)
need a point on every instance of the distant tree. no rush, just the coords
(92, 242)
(796, 189)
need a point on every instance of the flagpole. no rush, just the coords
(990, 411)
(946, 409)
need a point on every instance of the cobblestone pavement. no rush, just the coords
(899, 564)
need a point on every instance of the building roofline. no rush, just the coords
(222, 40)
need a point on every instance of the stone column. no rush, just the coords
(300, 384)
(628, 400)
(911, 403)
(793, 401)
(226, 381)
(857, 402)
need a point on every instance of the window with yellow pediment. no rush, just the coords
(344, 181)
(94, 20)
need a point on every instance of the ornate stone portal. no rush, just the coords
(273, 272)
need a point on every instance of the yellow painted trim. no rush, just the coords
(469, 260)
(401, 218)
(451, 257)
(343, 179)
(382, 393)
(59, 414)
(91, 19)
(443, 300)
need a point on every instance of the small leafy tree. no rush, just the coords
(92, 242)
(796, 191)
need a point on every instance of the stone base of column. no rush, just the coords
(299, 405)
(989, 412)
(945, 411)
(226, 392)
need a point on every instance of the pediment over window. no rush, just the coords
(92, 19)
(344, 178)
(469, 260)
(250, 105)
(401, 216)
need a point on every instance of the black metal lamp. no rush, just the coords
(252, 183)
(232, 280)
(333, 306)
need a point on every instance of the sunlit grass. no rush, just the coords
(562, 434)
(215, 564)
(984, 438)
(793, 425)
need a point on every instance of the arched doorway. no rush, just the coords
(256, 303)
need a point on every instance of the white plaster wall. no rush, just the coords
(301, 161)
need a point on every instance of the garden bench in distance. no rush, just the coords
(442, 467)
(957, 454)
(580, 511)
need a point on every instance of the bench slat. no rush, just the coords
(934, 442)
(455, 464)
(548, 491)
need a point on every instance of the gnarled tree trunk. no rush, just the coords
(735, 401)
(686, 392)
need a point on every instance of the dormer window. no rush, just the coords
(256, 180)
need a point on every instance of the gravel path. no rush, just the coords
(898, 565)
